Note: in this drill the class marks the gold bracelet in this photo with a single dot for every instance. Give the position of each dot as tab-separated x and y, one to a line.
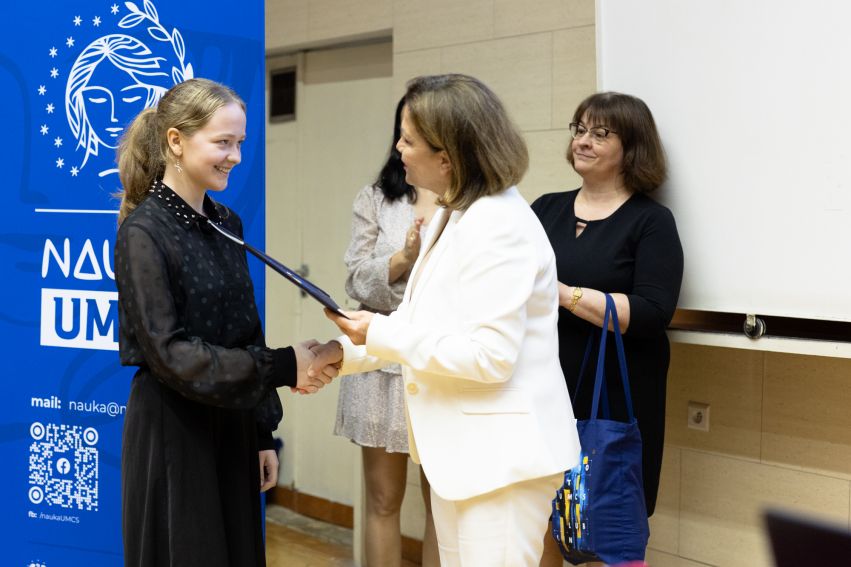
577	294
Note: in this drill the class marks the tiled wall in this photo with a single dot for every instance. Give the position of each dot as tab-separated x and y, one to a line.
538	55
295	24
780	435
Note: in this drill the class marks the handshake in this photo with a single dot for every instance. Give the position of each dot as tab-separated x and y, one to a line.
317	364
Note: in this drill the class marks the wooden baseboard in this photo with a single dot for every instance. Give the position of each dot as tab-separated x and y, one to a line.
333	513
314	507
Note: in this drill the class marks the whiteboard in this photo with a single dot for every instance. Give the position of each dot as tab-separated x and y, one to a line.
753	103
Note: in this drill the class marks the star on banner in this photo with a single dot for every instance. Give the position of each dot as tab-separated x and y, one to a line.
49	108
57	141
77	20
114	9
41	90
69	42
74	171
60	162
96	21
53	52
54	73
44	129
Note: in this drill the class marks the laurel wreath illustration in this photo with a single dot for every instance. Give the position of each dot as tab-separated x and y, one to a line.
159	33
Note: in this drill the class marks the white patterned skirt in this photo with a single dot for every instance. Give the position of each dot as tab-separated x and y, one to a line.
371	410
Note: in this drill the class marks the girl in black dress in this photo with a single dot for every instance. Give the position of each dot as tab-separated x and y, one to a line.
610	237
197	445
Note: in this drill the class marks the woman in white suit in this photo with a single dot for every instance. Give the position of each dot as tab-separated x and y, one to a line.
488	409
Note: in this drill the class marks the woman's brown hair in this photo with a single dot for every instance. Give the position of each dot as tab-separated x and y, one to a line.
143	150
462	116
644	165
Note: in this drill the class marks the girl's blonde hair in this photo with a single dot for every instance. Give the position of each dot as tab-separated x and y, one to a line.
143	151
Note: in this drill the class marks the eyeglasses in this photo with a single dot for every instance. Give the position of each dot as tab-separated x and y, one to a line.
598	133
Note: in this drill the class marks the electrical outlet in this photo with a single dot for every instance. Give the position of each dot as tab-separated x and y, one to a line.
698	416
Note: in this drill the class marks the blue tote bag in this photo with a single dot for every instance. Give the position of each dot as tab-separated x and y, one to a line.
599	512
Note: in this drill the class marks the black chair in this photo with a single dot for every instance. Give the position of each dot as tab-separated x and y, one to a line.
800	541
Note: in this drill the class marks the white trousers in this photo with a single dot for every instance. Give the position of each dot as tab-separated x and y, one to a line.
503	528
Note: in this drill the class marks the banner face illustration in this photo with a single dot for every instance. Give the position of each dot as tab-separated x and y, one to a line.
73	74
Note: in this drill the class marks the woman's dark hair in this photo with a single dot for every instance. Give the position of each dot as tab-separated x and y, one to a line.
644	165
391	179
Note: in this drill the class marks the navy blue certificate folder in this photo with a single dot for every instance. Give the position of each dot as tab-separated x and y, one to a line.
303	283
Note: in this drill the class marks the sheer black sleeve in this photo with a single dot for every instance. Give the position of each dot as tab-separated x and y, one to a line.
208	373
269	412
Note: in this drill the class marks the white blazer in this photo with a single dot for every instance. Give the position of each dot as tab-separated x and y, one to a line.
478	343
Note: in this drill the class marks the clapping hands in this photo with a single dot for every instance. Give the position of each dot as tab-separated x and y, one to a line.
412	241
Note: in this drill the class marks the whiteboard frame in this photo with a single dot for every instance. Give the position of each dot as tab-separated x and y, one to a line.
809	347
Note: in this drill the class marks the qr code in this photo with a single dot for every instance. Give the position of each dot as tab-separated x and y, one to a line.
64	466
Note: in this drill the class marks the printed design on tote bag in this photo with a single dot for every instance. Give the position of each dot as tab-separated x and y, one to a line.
572	502
103	80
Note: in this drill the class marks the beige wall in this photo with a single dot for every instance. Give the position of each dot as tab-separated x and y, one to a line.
538	55
315	165
780	428
780	435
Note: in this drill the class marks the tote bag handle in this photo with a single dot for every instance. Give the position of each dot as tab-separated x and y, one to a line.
600	376
604	398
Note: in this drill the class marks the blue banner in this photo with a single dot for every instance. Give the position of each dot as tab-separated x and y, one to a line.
73	75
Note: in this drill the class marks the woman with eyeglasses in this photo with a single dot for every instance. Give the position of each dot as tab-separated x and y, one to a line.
609	236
